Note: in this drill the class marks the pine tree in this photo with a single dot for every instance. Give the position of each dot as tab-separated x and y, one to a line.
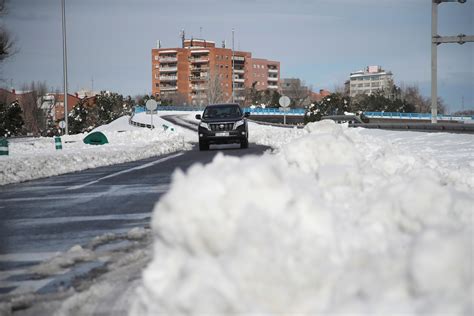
78	118
109	107
11	119
334	104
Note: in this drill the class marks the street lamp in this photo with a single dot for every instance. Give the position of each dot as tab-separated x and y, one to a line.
63	9
233	57
435	41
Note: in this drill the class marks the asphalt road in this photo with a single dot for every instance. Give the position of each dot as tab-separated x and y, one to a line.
45	216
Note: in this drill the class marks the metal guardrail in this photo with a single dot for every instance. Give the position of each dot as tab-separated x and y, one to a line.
256	111
420	127
416	116
276	111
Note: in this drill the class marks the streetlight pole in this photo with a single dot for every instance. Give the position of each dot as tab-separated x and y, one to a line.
434	63
435	41
233	83
63	8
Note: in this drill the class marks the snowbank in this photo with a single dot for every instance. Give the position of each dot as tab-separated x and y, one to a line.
36	158
335	222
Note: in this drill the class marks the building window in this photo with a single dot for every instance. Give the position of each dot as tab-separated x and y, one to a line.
156	57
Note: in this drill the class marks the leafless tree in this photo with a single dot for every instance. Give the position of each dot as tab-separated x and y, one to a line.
215	94
411	94
6	40
31	100
179	98
298	92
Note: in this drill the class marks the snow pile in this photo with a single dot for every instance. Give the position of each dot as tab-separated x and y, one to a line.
38	158
336	222
62	261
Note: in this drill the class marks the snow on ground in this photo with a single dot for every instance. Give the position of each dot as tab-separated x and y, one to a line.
336	221
36	158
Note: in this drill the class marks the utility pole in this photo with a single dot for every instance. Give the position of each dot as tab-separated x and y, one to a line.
435	41
63	7
233	82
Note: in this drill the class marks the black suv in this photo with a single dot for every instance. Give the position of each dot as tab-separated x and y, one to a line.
223	124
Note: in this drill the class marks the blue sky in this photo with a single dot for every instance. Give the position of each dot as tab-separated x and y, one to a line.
319	41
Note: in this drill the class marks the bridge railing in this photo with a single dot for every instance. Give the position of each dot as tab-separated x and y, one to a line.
276	111
417	116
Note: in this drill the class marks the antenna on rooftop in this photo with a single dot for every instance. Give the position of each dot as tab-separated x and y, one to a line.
182	35
200	32
158	44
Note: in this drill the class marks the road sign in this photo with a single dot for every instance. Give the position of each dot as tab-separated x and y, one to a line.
62	124
151	105
284	101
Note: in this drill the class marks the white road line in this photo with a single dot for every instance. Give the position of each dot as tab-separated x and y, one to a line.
125	171
122	189
72	219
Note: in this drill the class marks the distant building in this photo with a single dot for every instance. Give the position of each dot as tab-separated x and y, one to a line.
58	113
193	73
317	97
295	89
368	81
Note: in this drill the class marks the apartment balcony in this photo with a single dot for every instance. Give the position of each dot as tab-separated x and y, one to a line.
199	96
242	80
273	71
169	88
238	58
199	87
200	51
202	68
272	78
239	88
168	60
199	60
198	78
270	86
239	71
242	98
168	78
168	69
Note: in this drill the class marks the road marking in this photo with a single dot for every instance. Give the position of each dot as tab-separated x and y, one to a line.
125	171
117	190
72	219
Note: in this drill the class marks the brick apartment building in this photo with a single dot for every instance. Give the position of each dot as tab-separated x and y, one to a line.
195	72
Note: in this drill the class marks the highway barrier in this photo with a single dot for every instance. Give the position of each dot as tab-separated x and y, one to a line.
57	143
3	147
300	111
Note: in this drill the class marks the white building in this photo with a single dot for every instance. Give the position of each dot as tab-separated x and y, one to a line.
370	80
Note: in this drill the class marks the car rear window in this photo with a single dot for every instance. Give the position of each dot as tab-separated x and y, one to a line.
213	112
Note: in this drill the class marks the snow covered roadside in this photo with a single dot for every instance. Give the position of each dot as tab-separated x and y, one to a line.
337	221
37	158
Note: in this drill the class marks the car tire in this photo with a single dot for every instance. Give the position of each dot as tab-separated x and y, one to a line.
203	146
244	144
